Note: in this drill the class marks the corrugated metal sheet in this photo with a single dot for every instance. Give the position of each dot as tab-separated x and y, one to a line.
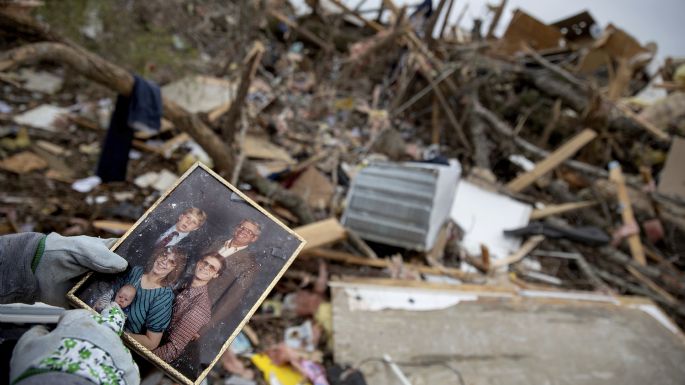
401	204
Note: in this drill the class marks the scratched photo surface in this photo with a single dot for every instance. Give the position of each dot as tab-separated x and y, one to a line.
198	263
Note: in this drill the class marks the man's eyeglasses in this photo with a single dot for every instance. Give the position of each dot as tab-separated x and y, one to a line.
206	265
247	229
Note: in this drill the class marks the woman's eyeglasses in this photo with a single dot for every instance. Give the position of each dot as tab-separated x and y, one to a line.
168	258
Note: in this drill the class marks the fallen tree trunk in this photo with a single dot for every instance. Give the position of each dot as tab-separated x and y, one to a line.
121	81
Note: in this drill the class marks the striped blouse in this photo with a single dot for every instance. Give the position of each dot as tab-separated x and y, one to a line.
151	308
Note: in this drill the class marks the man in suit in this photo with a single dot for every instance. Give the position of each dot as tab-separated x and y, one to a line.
226	293
156	233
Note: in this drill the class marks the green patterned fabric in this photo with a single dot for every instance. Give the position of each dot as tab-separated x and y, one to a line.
81	357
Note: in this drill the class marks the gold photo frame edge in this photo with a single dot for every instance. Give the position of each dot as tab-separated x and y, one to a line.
135	345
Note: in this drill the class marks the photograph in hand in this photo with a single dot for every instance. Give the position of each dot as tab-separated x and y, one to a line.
201	260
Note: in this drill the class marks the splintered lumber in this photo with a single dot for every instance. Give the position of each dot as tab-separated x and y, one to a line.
114	227
651	128
495	19
321	233
560	209
557	157
502	128
432	20
359	243
616	176
653	286
521	253
250	64
446	19
369	23
305	33
342	257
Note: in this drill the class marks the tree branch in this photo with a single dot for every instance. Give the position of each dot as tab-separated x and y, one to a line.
121	81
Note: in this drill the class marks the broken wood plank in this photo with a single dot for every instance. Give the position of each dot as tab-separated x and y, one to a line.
305	33
321	233
651	128
504	129
438	250
616	176
557	157
521	253
369	23
495	19
342	257
433	20
250	64
172	144
360	244
435	122
52	148
114	227
446	20
23	163
560	209
653	286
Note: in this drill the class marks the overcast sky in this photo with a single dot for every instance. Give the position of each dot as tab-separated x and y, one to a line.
647	20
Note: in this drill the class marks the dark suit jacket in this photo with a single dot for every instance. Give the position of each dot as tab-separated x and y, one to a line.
138	247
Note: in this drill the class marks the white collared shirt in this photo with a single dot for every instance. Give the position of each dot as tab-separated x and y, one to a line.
226	251
175	239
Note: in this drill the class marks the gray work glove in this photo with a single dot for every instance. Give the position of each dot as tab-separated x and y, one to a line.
83	344
66	258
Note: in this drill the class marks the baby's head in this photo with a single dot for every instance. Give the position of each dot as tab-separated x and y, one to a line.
125	296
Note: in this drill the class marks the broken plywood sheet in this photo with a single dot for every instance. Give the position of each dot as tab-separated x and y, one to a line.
524	28
672	179
502	338
484	215
321	233
614	45
46	117
23	162
314	187
200	93
619	44
261	148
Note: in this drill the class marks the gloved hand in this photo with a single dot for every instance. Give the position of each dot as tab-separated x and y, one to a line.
83	344
66	258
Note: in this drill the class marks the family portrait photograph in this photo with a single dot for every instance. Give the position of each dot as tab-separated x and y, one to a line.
201	260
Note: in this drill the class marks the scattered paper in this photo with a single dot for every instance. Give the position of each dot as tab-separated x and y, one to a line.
165	180
40	81
261	148
200	93
86	184
484	215
45	117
